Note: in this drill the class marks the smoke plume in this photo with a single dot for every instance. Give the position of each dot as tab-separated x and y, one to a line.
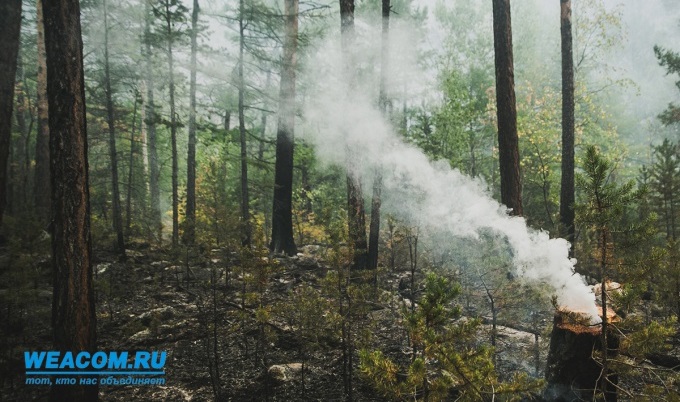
348	129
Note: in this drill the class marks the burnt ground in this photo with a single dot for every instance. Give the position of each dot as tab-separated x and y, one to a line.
151	303
217	349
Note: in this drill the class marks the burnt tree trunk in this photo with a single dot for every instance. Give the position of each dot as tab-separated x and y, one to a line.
355	198
41	178
10	29
567	214
506	108
190	227
282	216
73	306
110	118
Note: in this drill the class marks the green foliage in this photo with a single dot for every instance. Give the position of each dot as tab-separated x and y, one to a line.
619	241
645	338
171	25
462	131
602	209
665	279
603	201
664	183
671	62
215	217
597	29
446	360
538	126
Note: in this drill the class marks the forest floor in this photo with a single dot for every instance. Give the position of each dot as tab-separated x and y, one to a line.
195	311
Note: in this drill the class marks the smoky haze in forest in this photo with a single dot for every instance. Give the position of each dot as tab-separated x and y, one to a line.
348	129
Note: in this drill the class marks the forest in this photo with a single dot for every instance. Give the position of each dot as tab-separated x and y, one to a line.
353	200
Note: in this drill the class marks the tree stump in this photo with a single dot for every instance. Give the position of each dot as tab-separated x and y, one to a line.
572	372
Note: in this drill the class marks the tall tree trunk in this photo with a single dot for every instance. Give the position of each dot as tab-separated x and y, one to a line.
73	306
246	232
282	216
115	191
264	200
150	121
506	108
567	184
10	30
355	200
263	121
173	127
131	170
41	178
20	179
374	227
143	142
190	227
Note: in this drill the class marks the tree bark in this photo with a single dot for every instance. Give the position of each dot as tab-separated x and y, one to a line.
110	118
190	227
41	180
150	121
567	214
572	373
10	29
355	200
23	160
173	126
376	202
131	170
73	306
506	108
282	216
246	232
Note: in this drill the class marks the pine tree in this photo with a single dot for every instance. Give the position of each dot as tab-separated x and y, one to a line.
10	29
601	209
246	230
356	218
190	227
447	362
113	157
150	123
376	202
73	305
671	61
506	108
41	181
567	181
665	187
282	220
171	13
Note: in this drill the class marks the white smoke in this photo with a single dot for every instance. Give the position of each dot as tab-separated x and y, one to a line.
349	130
